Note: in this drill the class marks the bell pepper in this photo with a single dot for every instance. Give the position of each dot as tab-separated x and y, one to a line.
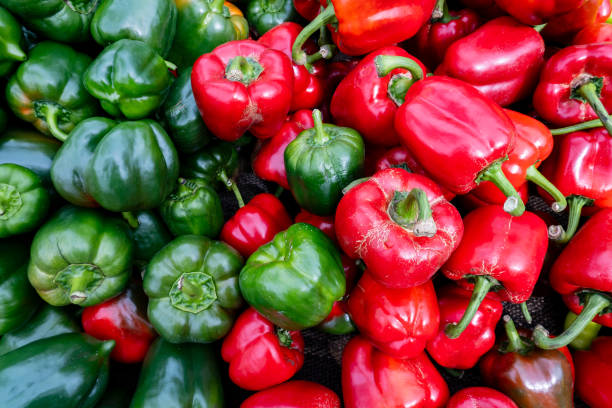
115	20
536	12
470	201
264	15
324	223
532	377
149	234
564	26
179	375
399	322
593	371
46	90
368	103
338	321
124	320
321	162
294	394
475	397
202	26
129	78
243	85
23	200
308	9
595	33
400	225
193	207
374	379
582	276
255	224
294	280
192	284
484	261
259	354
478	337
586	336
80	256
11	38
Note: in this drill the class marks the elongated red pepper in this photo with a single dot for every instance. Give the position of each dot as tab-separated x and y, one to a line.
324	223
534	12
595	33
593	373
339	321
259	354
563	27
498	252
400	225
477	397
294	394
243	85
374	379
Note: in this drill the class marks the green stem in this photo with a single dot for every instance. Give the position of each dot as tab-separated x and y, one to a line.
513	205
231	186
526	313
217	6
412	211
538	178
398	84
515	343
586	336
591	124
320	137
284	337
575	203
589	92
131	219
440	13
190	289
482	285
540	27
170	65
327	16
51	119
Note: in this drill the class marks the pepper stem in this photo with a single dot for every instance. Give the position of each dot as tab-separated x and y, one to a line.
525	311
440	13
131	219
513	205
557	233
515	343
284	337
482	286
412	211
400	83
590	92
189	288
591	124
540	27
538	178
243	69
231	186
586	337
217	5
51	114
321	137
595	304
170	65
327	16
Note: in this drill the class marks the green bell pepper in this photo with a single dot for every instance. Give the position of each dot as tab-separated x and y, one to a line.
179	376
338	325
68	370
149	234
193	208
11	38
129	78
320	162
192	284
295	279
47	90
202	26
18	301
80	256
264	15
149	21
182	116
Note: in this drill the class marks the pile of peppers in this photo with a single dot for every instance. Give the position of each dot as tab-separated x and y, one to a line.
191	189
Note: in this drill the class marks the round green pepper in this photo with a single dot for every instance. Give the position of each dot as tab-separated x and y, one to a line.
264	15
217	164
10	42
192	284
149	234
80	256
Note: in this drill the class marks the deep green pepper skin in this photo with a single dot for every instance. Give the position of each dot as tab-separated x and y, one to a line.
179	376
149	234
338	326
18	301
68	370
295	279
11	38
192	284
155	23
58	20
47	90
182	117
80	256
214	163
129	78
264	15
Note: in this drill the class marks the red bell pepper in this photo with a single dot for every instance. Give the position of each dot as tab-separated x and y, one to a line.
596	33
294	394
563	27
123	319
307	8
338	321
471	202
593	373
399	322
259	354
255	224
400	225
486	8
477	397
243	85
269	161
534	12
478	337
374	379
502	59
324	223
498	252
583	270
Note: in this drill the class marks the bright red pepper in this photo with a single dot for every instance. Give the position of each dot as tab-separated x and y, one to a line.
123	319
259	354
308	9
534	12
477	397
294	394
563	27
338	321
324	223
471	202
478	337
400	225
374	379
593	373
243	85
596	33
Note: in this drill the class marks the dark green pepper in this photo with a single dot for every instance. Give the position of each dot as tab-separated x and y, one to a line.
295	279
179	376
68	370
47	90
338	325
149	234
264	15
192	284
321	162
129	78
80	256
10	42
149	21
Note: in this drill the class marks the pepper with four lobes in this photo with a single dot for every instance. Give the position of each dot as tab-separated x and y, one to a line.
11	39
264	15
593	371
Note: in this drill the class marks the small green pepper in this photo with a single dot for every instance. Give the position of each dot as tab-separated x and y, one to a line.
149	234
264	15
11	38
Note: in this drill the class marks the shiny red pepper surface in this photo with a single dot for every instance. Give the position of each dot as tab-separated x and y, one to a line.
534	12
595	33
324	223
563	27
338	321
294	394
480	397
593	373
307	8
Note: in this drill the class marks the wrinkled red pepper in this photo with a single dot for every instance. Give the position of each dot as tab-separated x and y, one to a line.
593	373
595	33
294	394
477	397
338	321
563	27
324	223
534	12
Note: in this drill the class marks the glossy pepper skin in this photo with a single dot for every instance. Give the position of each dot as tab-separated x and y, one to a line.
149	234
563	27
11	38
374	379
179	375
325	224
46	90
156	23
216	163
593	369
272	283
595	33
259	354
243	85
80	256
294	394
475	397
400	225
192	285
534	12
264	15
338	321
307	8
502	59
